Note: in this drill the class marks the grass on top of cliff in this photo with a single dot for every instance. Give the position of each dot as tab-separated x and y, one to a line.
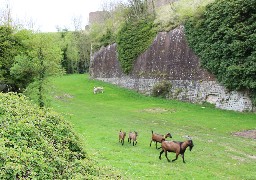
98	118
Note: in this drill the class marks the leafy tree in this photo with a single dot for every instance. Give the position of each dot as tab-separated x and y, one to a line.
225	40
84	47
71	53
22	70
9	47
40	59
76	51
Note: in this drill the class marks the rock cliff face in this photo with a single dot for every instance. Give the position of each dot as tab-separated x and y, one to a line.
168	58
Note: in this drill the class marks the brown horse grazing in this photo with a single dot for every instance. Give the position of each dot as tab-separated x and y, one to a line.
176	147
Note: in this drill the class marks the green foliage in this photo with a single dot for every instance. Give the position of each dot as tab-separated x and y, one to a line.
19	61
40	58
95	33
138	9
171	15
19	57
76	51
83	45
134	37
9	46
107	38
38	144
32	91
161	89
102	34
70	52
225	40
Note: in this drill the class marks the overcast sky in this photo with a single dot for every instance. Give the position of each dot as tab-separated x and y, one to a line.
47	15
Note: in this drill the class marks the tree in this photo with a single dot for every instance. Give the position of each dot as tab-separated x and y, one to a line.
84	47
75	46
40	59
9	47
71	52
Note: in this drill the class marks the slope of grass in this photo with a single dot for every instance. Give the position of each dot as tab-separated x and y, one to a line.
97	118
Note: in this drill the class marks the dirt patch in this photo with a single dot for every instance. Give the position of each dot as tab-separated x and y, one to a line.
158	110
63	97
247	134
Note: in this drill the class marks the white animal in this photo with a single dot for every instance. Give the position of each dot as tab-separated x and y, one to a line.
98	90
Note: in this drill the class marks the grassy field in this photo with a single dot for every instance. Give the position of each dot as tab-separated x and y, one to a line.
97	119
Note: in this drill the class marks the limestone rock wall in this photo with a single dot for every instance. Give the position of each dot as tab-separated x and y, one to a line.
168	58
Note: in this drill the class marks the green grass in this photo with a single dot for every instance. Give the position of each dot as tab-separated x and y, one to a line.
98	118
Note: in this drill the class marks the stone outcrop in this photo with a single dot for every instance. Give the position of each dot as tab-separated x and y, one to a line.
169	58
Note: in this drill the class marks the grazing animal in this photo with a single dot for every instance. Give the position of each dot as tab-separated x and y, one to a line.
159	138
98	90
122	136
133	137
176	147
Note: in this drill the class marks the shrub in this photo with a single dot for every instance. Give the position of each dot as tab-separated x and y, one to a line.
38	144
107	38
224	38
134	37
161	89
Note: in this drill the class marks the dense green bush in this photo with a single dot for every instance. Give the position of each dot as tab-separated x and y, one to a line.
107	38
161	89
134	37
38	144
224	38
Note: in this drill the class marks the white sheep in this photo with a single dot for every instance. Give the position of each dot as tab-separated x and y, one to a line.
98	90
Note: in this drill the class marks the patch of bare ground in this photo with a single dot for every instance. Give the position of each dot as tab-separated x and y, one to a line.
247	134
158	110
241	156
63	97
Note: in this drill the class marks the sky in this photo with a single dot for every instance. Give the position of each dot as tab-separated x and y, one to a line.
47	15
